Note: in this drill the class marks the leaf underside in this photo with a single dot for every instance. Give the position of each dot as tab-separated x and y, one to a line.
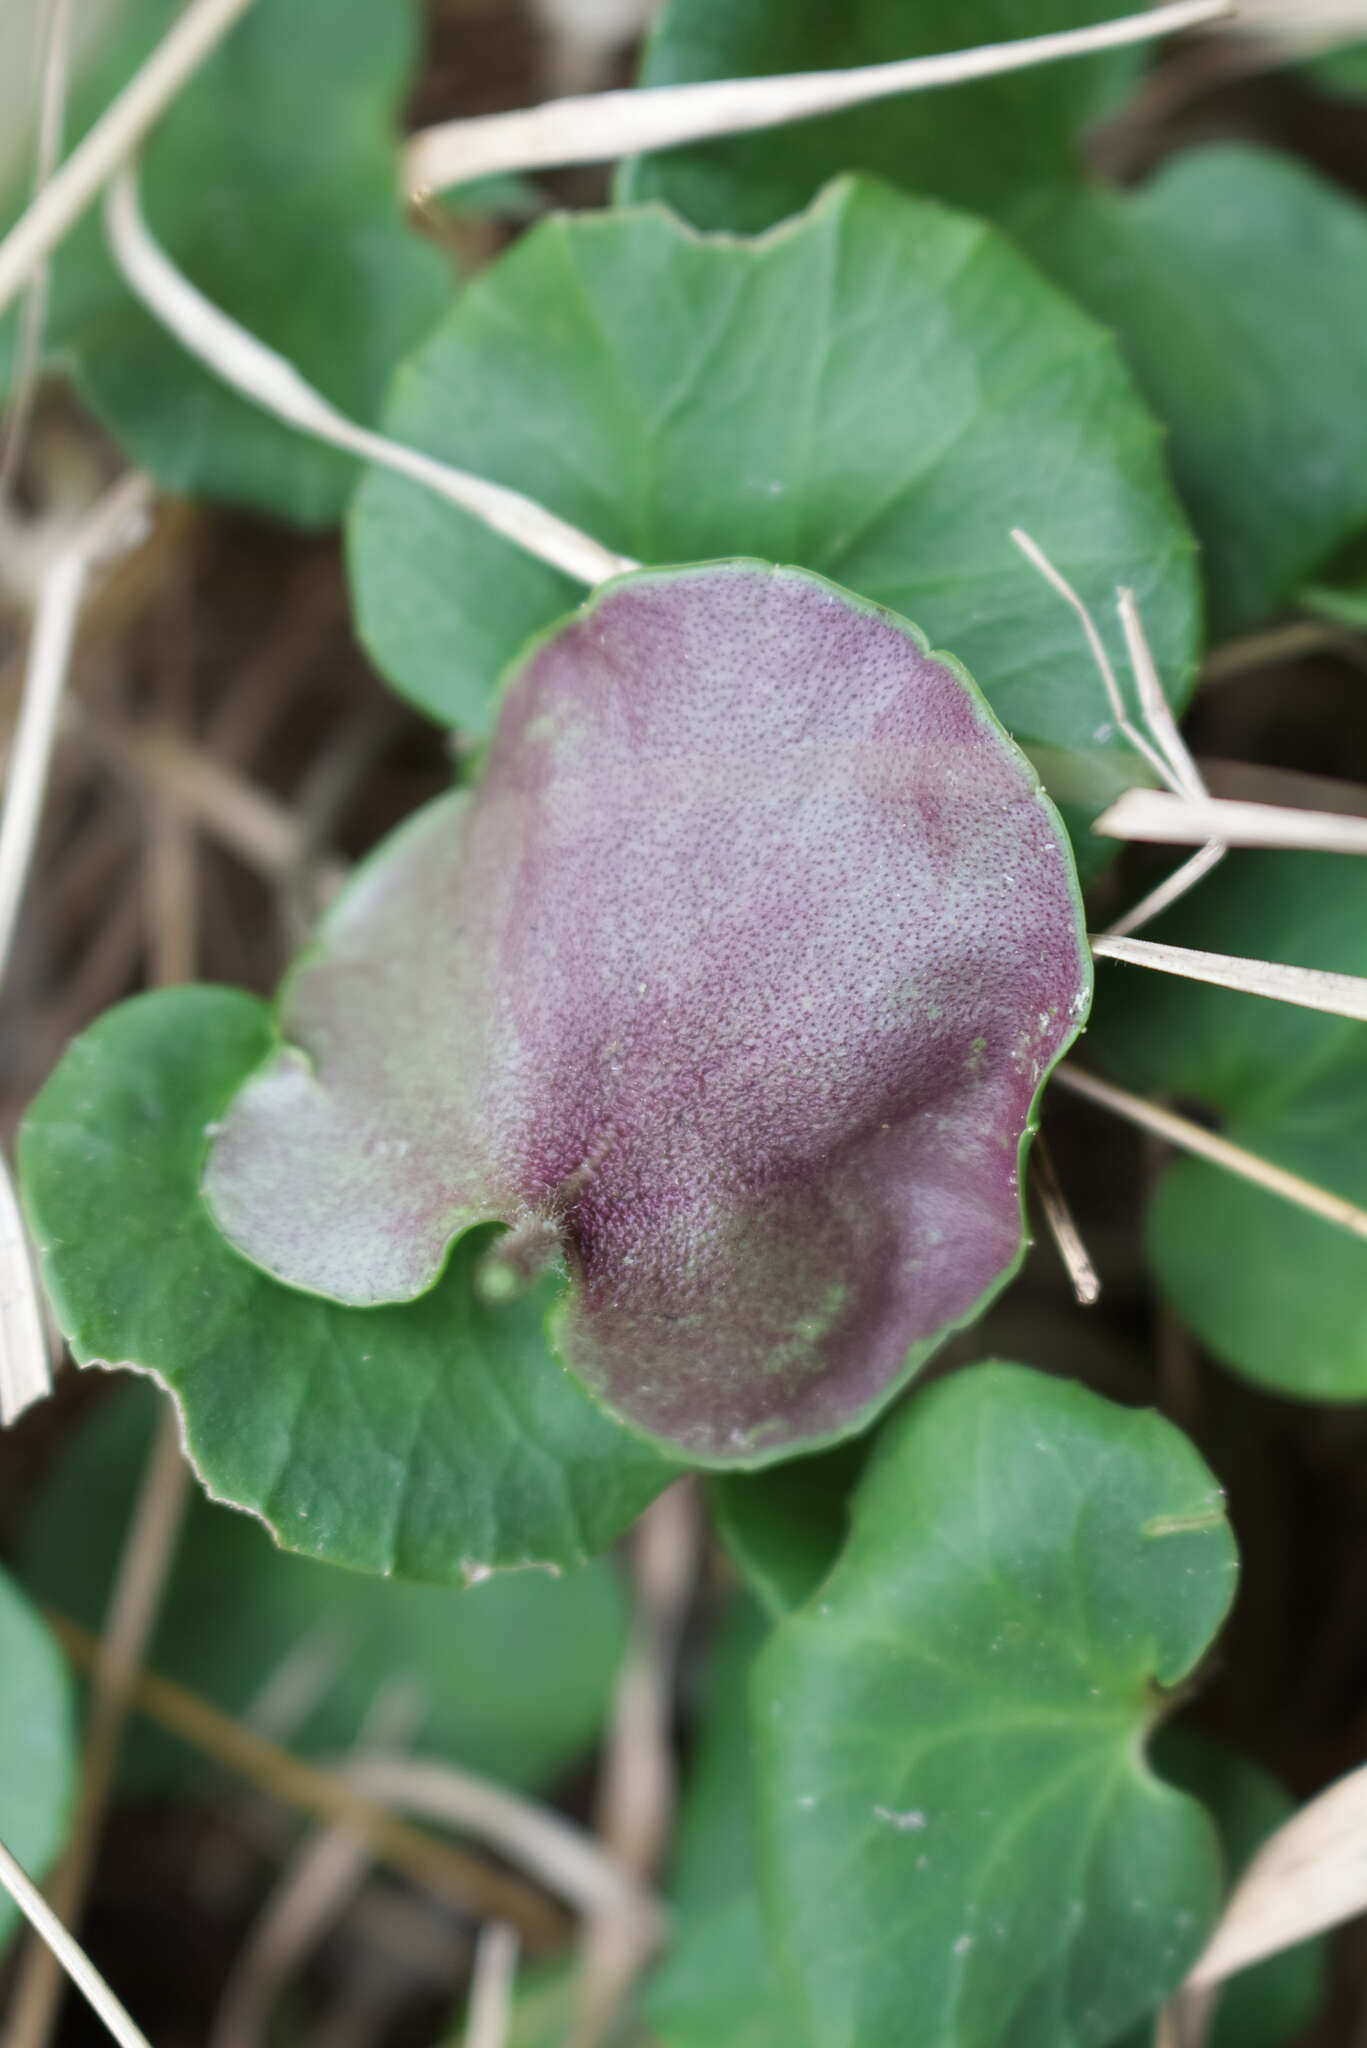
735	981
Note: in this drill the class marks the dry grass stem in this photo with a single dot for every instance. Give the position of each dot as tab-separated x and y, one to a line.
1082	1274
133	1606
1309	988
118	131
1152	700
25	1368
1309	1876
490	2010
68	1953
1195	1138
54	44
1298	27
1168	892
276	386
1275	644
1171	745
118	514
1124	723
247	821
1185	2022
322	1880
446	1871
320	1883
1154	815
1164	748
604	126
564	1858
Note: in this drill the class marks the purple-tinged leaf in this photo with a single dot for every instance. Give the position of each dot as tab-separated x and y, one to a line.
734	982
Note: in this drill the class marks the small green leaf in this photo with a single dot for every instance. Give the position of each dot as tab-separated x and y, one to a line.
1269	2005
273	182
1269	429
878	392
733	984
978	146
37	1744
956	1819
428	1440
784	1527
512	1678
1276	1293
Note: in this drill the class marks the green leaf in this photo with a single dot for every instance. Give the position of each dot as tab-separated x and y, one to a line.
1268	2005
1273	1291
512	1678
428	1440
977	146
956	1819
1342	73
1269	428
733	985
784	1527
716	1983
877	392
37	1744
1339	592
273	183
1269	433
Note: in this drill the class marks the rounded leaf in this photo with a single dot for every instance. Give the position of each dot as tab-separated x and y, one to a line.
431	1441
879	391
956	1819
735	980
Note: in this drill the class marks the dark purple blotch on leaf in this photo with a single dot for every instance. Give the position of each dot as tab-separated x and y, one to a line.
734	981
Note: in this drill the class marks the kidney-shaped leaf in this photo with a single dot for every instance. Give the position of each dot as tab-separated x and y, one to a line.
735	981
1275	1292
878	391
979	146
273	181
425	1440
956	1819
37	1743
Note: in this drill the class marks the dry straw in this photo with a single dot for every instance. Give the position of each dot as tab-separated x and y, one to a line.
602	126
